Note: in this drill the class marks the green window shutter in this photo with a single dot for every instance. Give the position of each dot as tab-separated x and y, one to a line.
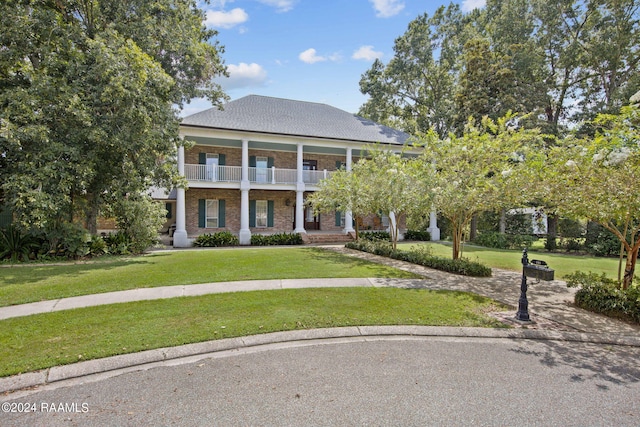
169	210
252	161
338	218
270	212
269	162
222	159
202	158
202	212
221	213
252	213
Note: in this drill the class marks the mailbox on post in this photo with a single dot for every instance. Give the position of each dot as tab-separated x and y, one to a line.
538	270
535	269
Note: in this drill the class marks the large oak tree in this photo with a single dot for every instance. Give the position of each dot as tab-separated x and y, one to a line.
90	92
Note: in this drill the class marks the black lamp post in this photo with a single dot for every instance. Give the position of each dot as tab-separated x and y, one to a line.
523	305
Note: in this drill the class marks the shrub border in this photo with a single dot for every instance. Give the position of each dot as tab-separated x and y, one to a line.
462	267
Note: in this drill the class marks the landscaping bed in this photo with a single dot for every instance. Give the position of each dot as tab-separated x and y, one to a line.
422	256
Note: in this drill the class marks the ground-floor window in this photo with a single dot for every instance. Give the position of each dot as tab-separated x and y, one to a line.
261	213
212	214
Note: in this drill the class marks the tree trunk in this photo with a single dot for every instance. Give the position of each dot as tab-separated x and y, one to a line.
630	268
503	221
552	232
91	215
457	239
473	233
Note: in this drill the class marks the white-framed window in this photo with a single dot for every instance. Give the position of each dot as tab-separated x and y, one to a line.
384	219
262	212
211	214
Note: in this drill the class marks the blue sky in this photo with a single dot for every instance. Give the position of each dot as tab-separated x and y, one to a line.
309	50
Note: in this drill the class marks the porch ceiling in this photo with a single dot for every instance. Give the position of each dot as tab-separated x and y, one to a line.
271	146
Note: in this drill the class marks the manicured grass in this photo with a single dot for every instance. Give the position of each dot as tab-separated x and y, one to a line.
19	285
40	341
512	259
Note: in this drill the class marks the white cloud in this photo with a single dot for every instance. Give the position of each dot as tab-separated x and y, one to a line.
243	75
366	53
230	19
310	56
280	5
469	5
387	8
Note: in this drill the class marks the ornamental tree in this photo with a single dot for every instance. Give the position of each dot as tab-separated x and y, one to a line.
599	179
394	189
384	182
482	170
343	191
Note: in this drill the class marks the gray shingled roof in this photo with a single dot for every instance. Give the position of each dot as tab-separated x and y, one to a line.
256	113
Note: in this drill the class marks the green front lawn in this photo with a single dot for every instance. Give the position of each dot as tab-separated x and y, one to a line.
512	259
40	341
28	283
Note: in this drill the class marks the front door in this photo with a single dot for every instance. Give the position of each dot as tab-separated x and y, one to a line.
212	167
311	222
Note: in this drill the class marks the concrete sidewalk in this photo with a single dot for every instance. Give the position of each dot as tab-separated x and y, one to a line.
163	292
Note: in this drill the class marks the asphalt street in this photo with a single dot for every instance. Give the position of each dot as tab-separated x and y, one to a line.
377	381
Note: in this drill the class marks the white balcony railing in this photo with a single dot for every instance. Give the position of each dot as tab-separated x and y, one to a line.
206	173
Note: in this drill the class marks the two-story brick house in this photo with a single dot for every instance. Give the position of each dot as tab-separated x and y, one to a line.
255	161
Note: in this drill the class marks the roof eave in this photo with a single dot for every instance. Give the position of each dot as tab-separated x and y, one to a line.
290	134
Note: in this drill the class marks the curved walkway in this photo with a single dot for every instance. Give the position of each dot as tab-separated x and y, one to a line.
549	304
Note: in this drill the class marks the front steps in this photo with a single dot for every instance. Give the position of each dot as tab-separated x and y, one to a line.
326	238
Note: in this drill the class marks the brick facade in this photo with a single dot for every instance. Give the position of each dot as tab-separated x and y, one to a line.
283	200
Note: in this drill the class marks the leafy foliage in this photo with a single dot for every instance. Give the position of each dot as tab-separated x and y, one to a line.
529	56
221	238
417	235
118	243
16	245
600	241
276	239
457	266
375	235
596	179
603	295
87	94
140	218
482	170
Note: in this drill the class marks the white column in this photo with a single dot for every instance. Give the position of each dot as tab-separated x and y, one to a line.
433	229
245	186
180	238
348	217
300	187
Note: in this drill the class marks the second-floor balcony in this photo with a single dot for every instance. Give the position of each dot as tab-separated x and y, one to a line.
273	175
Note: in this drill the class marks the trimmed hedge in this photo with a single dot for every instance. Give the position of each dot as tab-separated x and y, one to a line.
600	294
374	235
424	236
457	266
215	240
276	239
